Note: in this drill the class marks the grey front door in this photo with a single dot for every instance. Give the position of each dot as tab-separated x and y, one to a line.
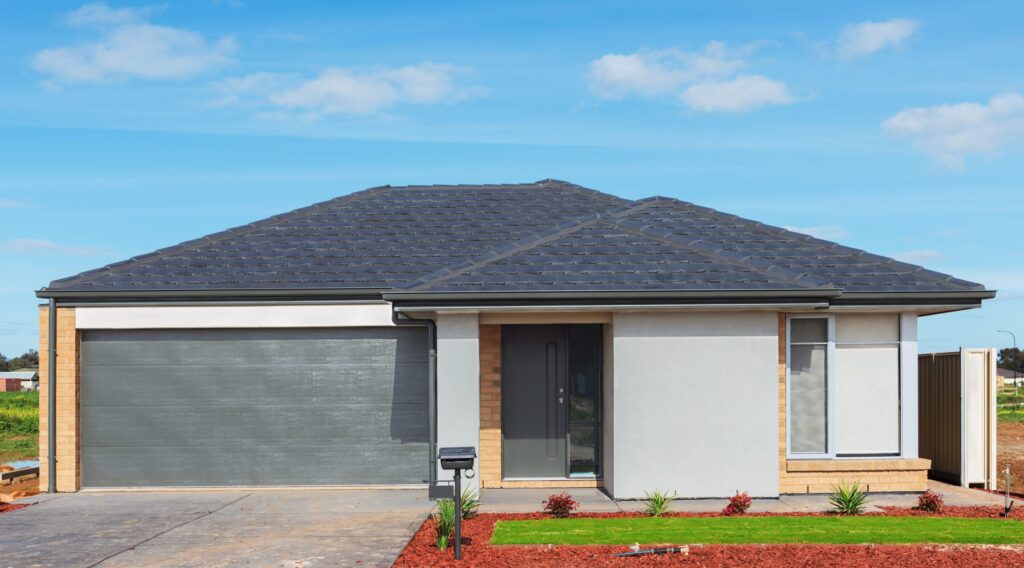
221	407
534	373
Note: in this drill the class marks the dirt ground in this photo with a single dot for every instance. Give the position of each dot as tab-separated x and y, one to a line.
22	487
1010	450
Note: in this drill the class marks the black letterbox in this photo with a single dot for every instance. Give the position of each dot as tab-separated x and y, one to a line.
457	458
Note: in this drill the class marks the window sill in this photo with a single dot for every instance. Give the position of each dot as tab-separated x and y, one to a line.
846	464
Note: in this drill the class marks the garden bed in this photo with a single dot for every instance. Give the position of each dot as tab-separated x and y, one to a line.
479	551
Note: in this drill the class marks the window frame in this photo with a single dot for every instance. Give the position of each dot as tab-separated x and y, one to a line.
830	387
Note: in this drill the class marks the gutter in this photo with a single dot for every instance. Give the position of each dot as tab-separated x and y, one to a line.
434	491
276	293
51	398
611	295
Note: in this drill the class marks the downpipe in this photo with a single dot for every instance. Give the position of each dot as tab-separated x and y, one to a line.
51	398
431	325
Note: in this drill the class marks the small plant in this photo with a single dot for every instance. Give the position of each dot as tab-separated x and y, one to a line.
561	505
444	516
929	501
848	499
470	503
738	504
658	502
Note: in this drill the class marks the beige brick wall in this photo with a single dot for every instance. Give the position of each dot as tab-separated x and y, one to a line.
490	406
820	476
69	431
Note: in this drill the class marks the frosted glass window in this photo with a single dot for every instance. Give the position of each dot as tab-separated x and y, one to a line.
867	384
808	398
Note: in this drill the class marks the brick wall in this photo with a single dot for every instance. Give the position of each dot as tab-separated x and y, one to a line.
490	406
69	458
820	476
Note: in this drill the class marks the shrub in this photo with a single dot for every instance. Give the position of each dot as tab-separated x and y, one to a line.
929	501
470	503
658	502
561	505
738	504
848	499
444	516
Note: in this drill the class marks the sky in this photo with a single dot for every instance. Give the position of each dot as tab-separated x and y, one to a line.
895	127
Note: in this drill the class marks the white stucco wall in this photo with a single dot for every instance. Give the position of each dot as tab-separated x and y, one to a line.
696	404
193	317
458	385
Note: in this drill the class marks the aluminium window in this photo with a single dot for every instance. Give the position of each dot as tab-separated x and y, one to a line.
843	386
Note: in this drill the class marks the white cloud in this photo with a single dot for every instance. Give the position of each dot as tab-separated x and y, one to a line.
865	38
951	133
827	232
11	203
918	256
43	246
746	92
706	80
129	48
99	14
347	91
651	73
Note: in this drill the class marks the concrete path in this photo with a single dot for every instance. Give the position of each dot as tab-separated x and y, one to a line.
596	501
213	528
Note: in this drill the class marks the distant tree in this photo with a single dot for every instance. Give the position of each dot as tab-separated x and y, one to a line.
1012	359
27	360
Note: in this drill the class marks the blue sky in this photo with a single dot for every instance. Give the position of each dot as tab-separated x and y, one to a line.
893	127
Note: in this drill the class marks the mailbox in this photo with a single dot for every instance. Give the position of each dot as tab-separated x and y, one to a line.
457	458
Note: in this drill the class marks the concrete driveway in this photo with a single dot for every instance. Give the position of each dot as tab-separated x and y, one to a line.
306	528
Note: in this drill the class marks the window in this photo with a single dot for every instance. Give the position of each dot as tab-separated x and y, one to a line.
843	389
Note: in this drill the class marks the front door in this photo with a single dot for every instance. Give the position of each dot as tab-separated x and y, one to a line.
534	376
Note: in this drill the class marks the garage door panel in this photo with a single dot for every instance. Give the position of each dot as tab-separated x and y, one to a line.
142	426
250	384
225	346
260	465
254	407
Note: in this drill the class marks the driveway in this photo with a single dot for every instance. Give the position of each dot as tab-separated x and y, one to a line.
303	528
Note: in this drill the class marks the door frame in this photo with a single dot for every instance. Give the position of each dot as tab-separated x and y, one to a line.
598	423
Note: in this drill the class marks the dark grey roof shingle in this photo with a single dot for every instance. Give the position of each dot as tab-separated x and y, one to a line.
542	236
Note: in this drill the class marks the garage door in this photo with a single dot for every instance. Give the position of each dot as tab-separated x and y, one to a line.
254	407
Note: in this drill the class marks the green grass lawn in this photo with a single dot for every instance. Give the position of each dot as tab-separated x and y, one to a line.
19	425
761	530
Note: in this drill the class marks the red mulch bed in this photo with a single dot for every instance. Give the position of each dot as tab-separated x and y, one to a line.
7	507
478	552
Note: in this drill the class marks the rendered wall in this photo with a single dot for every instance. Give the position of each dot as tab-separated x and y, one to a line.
458	385
694	408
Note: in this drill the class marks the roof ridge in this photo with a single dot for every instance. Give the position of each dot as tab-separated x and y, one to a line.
526	243
505	251
801	237
583	190
773	272
719	253
94	273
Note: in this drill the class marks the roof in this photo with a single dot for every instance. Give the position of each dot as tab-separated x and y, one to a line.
20	375
542	237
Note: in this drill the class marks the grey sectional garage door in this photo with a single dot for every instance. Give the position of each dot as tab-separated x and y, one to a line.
254	407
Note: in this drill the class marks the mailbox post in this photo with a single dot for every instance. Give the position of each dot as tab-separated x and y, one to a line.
456	460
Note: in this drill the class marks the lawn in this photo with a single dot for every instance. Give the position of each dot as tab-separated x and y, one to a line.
761	530
19	425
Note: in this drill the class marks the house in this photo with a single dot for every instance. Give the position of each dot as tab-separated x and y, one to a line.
1007	377
22	379
575	338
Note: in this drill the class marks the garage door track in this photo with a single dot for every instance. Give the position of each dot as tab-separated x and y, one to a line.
308	528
